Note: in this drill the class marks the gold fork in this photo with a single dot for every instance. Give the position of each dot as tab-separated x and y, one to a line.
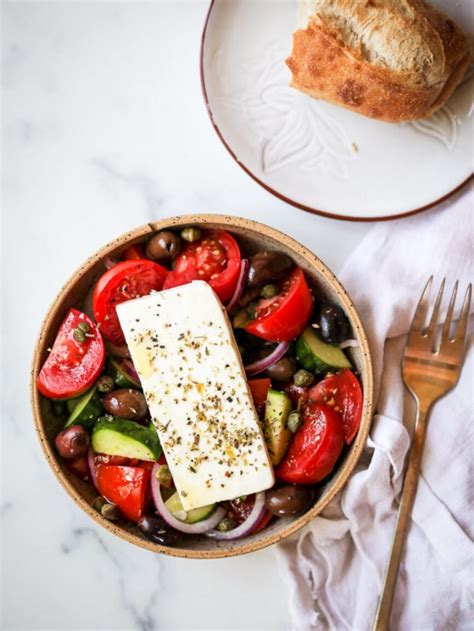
431	368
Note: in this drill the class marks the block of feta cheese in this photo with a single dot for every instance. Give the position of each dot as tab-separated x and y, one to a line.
184	351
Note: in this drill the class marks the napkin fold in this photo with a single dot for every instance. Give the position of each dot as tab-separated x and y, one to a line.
335	566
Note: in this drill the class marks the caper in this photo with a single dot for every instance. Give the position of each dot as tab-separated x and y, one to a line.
79	335
269	291
241	319
303	378
110	512
163	246
226	524
72	442
252	310
163	475
105	384
294	421
98	503
191	234
84	327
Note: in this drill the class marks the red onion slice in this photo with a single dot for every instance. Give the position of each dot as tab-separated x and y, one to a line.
109	262
128	366
269	360
121	351
198	528
91	465
349	344
247	526
239	288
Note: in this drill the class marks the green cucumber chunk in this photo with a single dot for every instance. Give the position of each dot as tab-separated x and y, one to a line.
173	504
277	435
318	356
120	375
121	437
85	410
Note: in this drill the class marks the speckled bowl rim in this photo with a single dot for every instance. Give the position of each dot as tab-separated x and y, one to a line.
319	267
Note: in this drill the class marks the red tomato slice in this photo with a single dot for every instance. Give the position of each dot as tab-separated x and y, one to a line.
124	281
343	392
315	448
124	486
72	366
285	316
133	253
215	258
259	389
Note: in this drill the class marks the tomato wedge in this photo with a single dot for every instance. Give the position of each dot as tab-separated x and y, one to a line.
315	448
343	392
124	281
285	316
259	389
124	486
215	258
72	366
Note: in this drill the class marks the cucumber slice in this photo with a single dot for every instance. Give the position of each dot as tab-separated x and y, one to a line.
173	504
120	375
318	356
85	410
277	436
120	437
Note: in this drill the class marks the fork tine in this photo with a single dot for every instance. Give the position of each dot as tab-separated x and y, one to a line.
421	309
460	333
434	317
449	314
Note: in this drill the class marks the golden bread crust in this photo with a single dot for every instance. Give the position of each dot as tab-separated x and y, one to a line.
325	67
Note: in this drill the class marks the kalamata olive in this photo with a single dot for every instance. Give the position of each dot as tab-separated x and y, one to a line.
289	500
157	530
72	442
126	403
333	323
163	246
283	370
267	266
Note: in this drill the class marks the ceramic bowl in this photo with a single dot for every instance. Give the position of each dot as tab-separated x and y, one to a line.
251	236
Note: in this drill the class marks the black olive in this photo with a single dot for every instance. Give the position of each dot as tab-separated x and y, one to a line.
333	323
126	403
157	530
267	266
72	442
283	370
290	500
163	246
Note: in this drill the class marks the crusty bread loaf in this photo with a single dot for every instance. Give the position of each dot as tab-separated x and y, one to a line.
394	60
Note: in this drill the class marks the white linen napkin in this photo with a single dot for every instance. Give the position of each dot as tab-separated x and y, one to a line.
335	566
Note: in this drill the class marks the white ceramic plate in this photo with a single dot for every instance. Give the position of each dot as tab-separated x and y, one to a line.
312	154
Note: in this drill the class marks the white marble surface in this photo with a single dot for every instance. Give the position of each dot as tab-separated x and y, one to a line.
104	128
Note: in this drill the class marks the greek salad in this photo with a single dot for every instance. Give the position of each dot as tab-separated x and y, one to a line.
203	391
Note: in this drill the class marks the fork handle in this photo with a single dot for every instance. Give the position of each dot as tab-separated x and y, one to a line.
410	484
